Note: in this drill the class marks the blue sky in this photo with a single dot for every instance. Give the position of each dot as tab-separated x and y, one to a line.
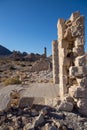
31	25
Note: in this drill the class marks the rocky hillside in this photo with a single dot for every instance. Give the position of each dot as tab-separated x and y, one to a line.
4	51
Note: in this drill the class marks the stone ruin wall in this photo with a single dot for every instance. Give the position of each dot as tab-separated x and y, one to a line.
55	61
68	53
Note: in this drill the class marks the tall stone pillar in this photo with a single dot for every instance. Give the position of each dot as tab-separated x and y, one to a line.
45	51
62	49
55	61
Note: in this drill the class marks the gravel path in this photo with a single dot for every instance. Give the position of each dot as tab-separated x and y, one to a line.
42	90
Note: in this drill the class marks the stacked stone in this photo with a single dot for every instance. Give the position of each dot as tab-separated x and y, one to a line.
55	61
72	60
64	49
79	71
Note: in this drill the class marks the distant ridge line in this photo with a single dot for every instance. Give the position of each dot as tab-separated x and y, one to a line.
4	51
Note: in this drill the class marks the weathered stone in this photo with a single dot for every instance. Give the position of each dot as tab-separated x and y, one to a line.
79	41
2	118
53	128
51	101
34	113
63	44
5	102
63	87
78	33
68	35
78	51
67	62
82	105
6	128
39	120
72	90
24	120
69	99
28	126
66	106
74	16
44	111
80	20
80	61
9	115
61	28
55	61
75	71
62	53
72	81
46	126
68	23
26	101
80	92
82	82
72	61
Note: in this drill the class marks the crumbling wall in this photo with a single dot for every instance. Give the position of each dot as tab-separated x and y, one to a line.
67	34
55	61
72	60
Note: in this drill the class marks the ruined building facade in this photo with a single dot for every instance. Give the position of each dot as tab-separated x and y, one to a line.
69	63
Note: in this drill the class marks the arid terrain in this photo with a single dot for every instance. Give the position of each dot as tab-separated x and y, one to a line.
33	117
29	99
25	71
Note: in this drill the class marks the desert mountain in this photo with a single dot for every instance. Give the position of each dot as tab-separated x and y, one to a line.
4	51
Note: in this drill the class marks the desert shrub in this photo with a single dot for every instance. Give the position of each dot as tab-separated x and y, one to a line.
12	81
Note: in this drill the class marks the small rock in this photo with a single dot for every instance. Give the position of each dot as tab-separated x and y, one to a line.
44	111
28	127
69	99
63	127
7	128
24	120
66	106
34	113
2	118
46	126
1	113
53	128
39	120
26	101
9	115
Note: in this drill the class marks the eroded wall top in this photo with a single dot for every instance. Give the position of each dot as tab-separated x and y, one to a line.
71	28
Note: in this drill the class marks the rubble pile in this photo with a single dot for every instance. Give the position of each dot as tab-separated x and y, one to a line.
40	118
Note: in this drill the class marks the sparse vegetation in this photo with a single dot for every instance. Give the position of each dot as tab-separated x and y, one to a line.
12	81
27	70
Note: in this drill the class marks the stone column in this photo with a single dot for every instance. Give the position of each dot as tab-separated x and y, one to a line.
45	51
64	63
62	49
55	61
